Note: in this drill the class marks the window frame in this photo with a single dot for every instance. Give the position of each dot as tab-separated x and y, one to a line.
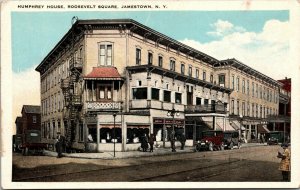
105	55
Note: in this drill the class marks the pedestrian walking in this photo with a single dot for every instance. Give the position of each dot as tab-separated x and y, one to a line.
151	142
59	145
284	166
144	142
182	141
172	139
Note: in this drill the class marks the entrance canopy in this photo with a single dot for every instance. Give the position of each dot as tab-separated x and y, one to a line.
103	73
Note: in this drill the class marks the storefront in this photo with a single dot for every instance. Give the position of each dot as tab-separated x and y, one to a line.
163	128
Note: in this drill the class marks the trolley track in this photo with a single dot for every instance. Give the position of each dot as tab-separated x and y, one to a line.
224	158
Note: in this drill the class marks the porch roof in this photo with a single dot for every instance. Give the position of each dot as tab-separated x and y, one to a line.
103	73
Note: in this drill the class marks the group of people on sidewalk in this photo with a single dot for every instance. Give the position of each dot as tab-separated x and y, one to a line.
145	141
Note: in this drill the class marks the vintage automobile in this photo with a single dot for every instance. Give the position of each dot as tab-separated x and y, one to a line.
276	137
31	143
210	140
231	139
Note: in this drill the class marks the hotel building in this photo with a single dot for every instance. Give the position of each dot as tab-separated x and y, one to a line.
108	82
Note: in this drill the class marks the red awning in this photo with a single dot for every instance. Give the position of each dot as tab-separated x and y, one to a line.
103	73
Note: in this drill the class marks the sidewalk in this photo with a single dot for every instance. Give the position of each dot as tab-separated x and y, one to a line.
133	154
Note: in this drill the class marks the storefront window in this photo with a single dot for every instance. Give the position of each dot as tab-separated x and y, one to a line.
134	134
139	93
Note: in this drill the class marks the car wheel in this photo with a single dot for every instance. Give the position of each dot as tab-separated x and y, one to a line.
210	146
222	146
231	145
239	145
196	148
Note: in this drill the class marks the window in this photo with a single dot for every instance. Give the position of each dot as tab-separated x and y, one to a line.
248	86
167	96
138	56
177	98
198	101
253	90
206	102
260	92
155	94
238	84
105	54
197	73
232	80
172	65
104	92
139	93
190	71
222	80
160	61
256	111
232	107
182	69
211	78
150	58
252	110
33	119
248	109
204	75
256	90
243	108
243	86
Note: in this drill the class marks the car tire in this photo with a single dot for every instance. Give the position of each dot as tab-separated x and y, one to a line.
239	145
231	146
222	146
210	146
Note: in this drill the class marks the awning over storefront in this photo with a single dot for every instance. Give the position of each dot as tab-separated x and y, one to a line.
110	126
262	129
138	125
103	73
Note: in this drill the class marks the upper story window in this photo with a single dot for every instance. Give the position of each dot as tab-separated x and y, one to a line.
243	86
211	78
237	84
138	58
248	86
253	90
190	71
204	75
222	80
105	54
256	90
160	61
197	73
182	68
232	80
139	93
150	58
104	92
34	119
172	64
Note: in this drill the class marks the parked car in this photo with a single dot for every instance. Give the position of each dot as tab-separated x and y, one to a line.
31	143
231	139
275	137
210	140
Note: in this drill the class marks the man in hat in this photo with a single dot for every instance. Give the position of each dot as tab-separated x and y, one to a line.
284	166
58	145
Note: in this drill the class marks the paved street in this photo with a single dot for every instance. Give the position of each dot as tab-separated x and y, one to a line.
256	163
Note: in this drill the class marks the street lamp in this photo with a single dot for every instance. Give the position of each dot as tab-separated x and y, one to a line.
114	114
172	113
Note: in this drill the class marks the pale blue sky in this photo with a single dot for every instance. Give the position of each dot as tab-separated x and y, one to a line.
34	34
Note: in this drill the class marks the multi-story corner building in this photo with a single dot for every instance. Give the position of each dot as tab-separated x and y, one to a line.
108	82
